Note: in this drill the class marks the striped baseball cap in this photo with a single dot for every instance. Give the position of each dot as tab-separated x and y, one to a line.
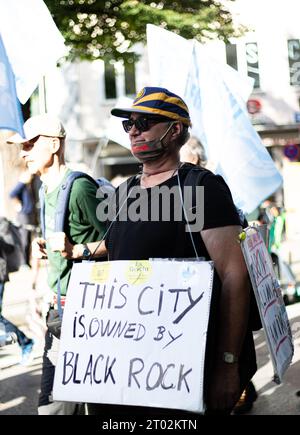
157	101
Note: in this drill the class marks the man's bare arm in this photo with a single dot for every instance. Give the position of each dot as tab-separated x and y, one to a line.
224	249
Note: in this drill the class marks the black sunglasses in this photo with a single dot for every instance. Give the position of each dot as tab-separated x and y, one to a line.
143	123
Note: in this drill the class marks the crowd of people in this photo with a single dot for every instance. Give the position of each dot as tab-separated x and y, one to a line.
158	124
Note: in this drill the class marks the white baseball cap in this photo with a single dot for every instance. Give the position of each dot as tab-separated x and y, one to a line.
40	125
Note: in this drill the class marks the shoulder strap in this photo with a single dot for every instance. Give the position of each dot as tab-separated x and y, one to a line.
64	196
62	201
42	209
195	175
105	187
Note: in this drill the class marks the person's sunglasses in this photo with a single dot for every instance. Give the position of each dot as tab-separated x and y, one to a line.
143	123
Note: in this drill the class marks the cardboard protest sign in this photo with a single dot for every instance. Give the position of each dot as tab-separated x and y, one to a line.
269	300
134	333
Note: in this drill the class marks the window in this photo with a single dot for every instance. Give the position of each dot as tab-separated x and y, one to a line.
294	61
110	80
119	79
252	62
34	105
231	55
130	87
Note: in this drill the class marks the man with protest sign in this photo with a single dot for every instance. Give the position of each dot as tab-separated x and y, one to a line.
148	224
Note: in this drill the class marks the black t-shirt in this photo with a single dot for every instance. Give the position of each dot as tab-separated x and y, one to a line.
135	237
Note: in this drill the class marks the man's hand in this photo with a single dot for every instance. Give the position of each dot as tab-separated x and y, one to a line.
38	248
59	242
224	390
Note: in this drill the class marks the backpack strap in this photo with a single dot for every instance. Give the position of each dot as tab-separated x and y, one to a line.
191	176
60	214
62	200
42	209
64	197
195	175
105	186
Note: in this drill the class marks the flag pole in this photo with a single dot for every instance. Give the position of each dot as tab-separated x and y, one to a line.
42	95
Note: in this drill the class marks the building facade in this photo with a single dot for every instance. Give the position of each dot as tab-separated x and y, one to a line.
83	93
270	53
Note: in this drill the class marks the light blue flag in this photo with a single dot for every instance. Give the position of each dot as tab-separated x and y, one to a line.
216	95
10	110
32	42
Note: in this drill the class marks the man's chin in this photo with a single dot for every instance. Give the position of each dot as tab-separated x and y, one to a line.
32	170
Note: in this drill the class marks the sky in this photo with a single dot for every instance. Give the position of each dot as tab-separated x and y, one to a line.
250	12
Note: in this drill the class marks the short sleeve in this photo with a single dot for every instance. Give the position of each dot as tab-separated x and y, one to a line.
219	208
84	202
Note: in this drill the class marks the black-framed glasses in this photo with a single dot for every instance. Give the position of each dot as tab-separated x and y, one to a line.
143	123
27	146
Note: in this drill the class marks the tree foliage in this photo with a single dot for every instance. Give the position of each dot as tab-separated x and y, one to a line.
96	29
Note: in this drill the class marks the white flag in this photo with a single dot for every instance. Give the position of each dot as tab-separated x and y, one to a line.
169	65
32	42
115	130
216	95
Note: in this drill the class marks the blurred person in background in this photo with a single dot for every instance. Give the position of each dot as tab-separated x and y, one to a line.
24	196
7	248
277	228
193	152
43	151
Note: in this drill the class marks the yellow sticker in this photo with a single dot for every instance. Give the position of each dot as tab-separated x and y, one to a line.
100	272
138	272
242	236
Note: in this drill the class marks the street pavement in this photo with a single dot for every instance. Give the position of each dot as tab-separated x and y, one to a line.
276	399
19	385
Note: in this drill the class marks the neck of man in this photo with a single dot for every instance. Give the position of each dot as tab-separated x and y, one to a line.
155	173
166	164
54	174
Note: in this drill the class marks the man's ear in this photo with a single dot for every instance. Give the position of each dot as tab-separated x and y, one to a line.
55	144
176	129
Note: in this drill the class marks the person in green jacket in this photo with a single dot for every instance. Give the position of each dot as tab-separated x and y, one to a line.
42	149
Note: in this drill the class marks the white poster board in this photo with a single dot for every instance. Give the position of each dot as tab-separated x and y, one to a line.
134	333
269	300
